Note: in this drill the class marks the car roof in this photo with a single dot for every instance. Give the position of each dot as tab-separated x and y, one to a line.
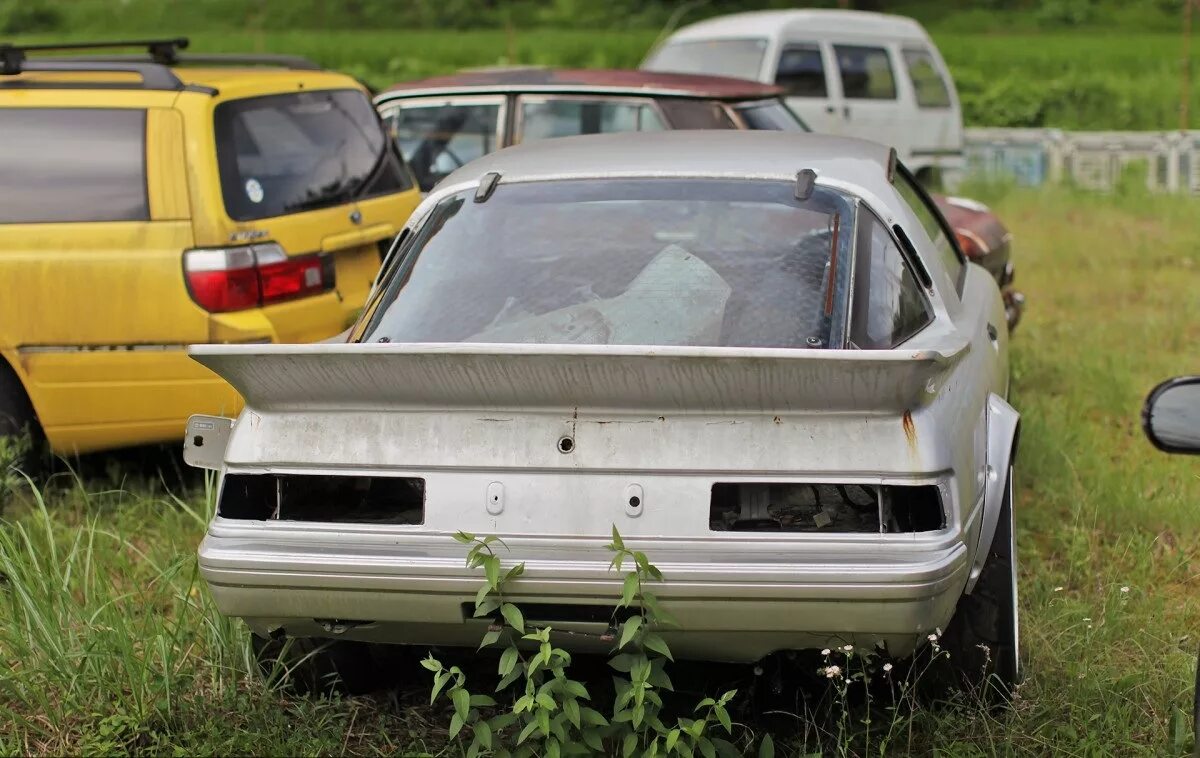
606	81
810	21
717	153
229	79
223	81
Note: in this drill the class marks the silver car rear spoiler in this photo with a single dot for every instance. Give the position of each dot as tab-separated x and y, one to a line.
620	378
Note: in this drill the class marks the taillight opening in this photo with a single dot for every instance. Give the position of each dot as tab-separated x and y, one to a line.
234	279
819	507
323	498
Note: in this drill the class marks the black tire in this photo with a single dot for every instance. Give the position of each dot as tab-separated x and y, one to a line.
1196	711
18	426
982	654
313	666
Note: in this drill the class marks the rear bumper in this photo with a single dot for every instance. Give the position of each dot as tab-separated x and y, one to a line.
737	600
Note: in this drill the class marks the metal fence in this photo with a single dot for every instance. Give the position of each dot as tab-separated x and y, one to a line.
1093	160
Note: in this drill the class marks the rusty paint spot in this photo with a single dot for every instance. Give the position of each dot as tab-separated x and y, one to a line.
910	430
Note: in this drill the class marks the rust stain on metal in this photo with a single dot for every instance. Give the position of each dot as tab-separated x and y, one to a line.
833	262
910	431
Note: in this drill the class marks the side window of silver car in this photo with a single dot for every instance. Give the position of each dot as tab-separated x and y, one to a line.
935	226
889	304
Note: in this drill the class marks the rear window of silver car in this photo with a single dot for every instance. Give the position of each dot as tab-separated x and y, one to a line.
703	262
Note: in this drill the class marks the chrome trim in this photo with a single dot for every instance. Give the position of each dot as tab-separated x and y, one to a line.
560	89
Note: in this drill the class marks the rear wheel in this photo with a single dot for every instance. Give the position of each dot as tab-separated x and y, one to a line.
21	438
983	638
312	666
1196	708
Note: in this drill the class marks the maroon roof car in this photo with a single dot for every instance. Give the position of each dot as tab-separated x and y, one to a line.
444	122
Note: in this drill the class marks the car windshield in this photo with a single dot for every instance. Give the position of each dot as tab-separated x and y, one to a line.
740	58
300	151
771	115
622	262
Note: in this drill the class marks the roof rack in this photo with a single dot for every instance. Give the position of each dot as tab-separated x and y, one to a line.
153	66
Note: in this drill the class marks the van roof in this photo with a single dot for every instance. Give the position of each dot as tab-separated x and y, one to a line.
773	23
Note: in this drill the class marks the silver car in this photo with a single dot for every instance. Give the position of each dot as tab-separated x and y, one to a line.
757	354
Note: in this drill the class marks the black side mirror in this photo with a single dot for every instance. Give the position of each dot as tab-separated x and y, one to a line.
1171	415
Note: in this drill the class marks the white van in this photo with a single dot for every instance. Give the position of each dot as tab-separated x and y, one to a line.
860	74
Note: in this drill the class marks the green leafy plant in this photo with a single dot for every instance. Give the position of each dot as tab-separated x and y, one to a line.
546	712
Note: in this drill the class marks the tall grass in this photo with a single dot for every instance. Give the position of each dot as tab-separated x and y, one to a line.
110	643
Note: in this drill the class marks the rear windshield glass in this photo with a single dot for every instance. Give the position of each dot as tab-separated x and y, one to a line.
771	115
72	164
741	58
695	114
628	262
300	151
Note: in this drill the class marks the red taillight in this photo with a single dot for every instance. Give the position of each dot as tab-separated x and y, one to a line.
970	244
237	278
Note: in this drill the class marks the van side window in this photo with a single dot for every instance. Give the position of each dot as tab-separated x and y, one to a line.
927	81
935	226
801	71
72	165
888	305
866	72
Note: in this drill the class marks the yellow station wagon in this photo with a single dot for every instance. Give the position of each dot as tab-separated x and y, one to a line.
153	201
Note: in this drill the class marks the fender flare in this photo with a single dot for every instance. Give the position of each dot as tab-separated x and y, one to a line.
1003	430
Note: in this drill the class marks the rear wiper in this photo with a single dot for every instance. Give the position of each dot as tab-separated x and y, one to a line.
380	160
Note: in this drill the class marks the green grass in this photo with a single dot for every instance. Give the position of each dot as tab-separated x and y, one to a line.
109	642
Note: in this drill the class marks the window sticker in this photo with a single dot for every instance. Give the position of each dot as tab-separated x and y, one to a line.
254	191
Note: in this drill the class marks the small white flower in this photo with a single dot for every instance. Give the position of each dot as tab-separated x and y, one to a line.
1087	618
825	652
1125	590
1089	626
848	648
833	672
887	667
932	638
938	631
1058	589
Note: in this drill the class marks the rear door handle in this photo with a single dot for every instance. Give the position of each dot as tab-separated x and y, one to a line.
846	112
